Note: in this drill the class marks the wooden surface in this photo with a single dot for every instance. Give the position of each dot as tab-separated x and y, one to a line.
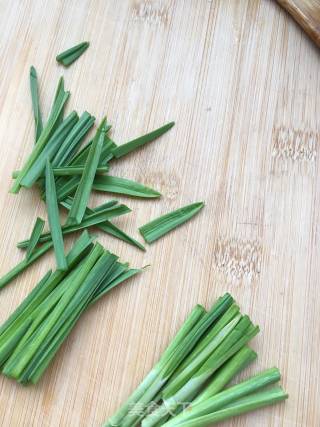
242	81
307	14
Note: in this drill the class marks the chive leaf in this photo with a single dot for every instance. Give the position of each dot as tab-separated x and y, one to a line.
160	226
35	236
67	57
130	146
82	195
54	219
114	184
35	102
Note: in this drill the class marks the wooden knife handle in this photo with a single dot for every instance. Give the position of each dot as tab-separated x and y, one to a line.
307	15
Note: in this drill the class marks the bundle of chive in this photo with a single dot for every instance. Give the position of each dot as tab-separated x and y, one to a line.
187	386
32	335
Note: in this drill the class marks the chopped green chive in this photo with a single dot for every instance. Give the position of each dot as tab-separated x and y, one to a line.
35	236
23	265
114	184
67	57
125	149
54	219
162	225
43	139
35	103
82	195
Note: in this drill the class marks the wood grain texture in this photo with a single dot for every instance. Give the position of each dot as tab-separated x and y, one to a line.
242	82
307	14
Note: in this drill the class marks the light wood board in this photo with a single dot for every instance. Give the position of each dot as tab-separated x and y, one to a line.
242	82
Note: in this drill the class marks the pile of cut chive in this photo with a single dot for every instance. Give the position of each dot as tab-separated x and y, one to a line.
66	172
189	386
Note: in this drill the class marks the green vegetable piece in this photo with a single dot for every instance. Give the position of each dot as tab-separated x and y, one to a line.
54	219
35	103
113	184
160	226
69	56
130	146
35	236
82	195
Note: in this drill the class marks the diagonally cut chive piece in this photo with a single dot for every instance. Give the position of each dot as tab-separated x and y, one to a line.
107	226
35	236
38	168
43	139
82	195
160	226
54	219
35	102
73	140
125	149
114	184
23	265
67	57
89	221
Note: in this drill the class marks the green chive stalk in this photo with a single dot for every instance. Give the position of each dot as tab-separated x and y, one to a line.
239	407
35	102
225	397
81	197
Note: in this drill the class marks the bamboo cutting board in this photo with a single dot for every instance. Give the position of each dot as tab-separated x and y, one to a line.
242	82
